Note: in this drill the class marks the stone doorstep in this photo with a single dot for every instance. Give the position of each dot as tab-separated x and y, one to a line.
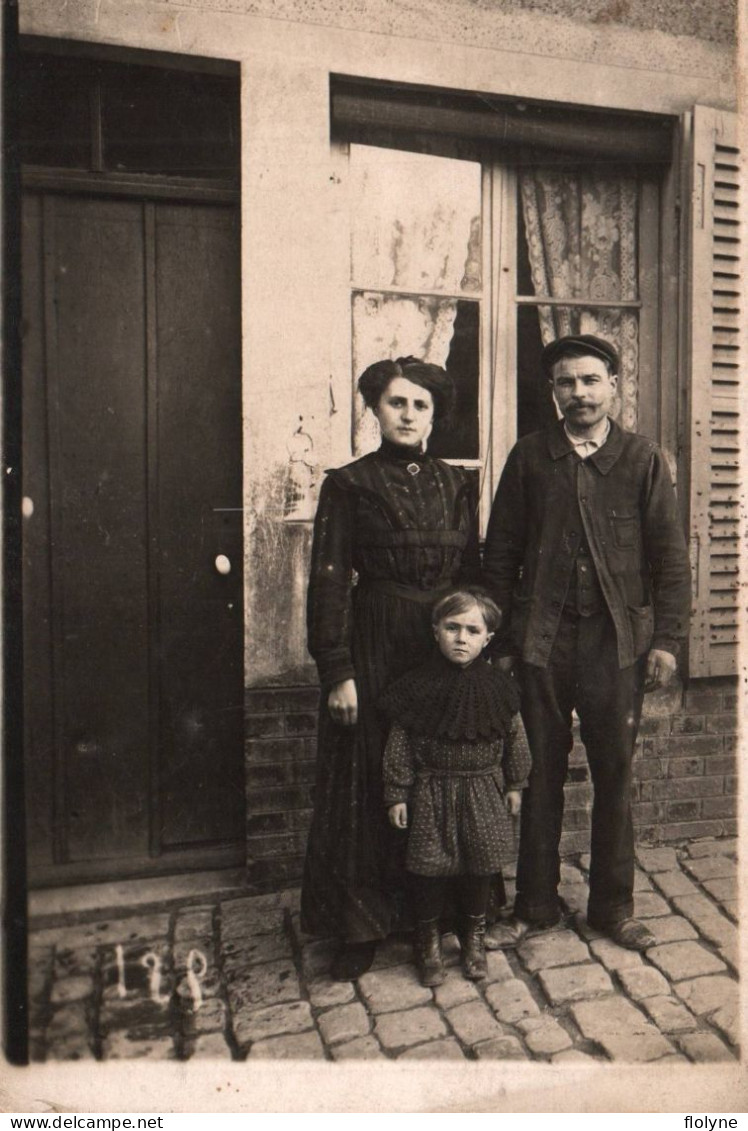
142	930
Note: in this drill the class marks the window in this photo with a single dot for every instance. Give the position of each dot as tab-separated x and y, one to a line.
474	255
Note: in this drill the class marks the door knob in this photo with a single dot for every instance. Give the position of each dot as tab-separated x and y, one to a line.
223	565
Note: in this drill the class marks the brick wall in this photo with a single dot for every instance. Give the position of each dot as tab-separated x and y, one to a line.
281	747
684	774
684	768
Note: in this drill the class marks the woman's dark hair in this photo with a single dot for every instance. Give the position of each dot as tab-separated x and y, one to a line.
463	599
374	380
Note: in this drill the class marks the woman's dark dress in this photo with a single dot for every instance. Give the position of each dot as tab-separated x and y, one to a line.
409	538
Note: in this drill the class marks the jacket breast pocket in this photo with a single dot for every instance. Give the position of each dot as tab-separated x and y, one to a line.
625	529
641	618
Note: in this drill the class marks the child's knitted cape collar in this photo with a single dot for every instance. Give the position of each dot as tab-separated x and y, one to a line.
442	700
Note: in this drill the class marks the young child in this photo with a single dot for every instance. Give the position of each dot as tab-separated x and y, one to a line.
455	763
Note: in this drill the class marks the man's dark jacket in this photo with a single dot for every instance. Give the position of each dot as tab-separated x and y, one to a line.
621	500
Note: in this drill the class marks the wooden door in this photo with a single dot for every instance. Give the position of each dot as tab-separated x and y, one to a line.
132	477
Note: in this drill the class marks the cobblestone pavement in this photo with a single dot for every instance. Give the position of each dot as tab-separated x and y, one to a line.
236	979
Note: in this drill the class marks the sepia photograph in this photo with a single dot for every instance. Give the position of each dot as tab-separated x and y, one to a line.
374	408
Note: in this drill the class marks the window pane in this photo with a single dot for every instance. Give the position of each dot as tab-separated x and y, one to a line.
443	331
169	122
580	232
416	221
538	325
55	119
578	240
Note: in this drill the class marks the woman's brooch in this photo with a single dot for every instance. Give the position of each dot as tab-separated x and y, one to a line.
413	468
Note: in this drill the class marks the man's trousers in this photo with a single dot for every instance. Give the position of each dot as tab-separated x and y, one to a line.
582	674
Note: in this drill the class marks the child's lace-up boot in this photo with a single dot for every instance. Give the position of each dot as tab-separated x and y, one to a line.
428	952
473	943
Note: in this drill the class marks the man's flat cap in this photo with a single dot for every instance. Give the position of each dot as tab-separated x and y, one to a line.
579	345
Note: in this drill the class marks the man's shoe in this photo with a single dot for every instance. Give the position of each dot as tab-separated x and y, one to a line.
503	936
510	933
352	960
629	933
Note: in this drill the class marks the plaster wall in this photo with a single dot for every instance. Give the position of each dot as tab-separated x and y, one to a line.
297	380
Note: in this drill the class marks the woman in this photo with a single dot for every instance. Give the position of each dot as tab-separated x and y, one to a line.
405	523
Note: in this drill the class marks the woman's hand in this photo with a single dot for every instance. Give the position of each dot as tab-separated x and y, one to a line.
398	815
514	801
342	702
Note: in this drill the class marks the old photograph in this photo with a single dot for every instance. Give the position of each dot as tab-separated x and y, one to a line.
379	384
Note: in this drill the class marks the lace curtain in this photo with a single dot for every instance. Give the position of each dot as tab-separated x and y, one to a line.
581	234
416	231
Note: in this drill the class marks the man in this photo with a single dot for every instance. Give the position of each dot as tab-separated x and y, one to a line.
585	555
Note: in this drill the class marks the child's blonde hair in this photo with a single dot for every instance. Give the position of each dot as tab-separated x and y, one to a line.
460	600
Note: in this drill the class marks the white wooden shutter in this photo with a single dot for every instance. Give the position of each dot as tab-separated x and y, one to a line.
713	348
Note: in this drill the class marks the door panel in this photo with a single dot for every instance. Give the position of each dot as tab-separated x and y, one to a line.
133	414
199	420
96	387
